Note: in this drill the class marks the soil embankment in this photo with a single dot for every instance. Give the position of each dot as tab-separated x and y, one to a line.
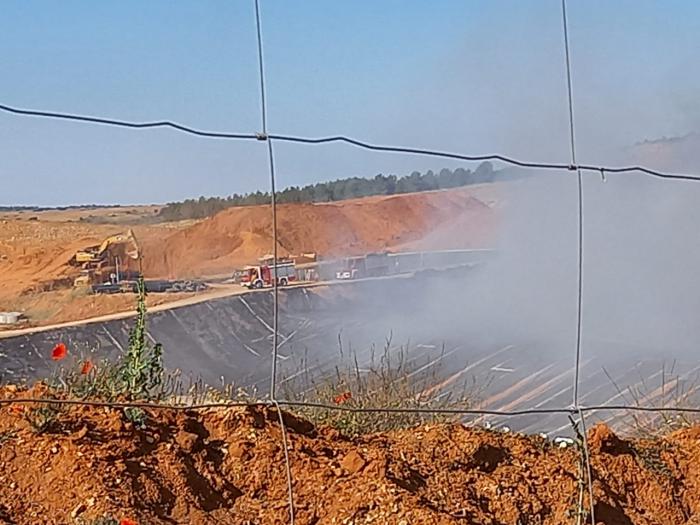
449	219
227	466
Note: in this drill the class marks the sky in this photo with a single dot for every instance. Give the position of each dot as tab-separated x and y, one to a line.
474	77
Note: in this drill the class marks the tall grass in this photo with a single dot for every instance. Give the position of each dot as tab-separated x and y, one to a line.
390	380
671	392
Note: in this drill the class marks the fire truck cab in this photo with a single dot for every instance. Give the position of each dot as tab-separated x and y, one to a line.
261	276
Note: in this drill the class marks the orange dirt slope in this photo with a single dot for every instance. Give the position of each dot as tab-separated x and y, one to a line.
35	276
239	236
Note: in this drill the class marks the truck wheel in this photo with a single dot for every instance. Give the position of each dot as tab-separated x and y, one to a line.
284	281
258	285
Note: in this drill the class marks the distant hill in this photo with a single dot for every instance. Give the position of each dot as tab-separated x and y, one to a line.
338	190
458	218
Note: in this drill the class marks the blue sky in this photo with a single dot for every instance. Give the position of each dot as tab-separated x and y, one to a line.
468	76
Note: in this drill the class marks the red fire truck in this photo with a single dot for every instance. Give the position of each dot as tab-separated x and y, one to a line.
261	276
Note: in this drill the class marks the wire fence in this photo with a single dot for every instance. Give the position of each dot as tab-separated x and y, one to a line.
264	136
579	267
585	409
576	410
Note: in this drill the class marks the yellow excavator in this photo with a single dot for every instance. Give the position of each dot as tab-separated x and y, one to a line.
94	254
99	261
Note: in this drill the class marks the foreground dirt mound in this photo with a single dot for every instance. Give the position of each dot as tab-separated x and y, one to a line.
241	235
227	466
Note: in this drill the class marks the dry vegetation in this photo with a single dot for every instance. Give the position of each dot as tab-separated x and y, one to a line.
391	380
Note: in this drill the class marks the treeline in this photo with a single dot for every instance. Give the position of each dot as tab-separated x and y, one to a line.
336	190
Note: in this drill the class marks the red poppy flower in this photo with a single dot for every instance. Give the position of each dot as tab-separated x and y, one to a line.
59	352
342	398
127	521
87	366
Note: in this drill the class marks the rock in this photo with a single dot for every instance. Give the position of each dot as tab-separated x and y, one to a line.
240	450
78	510
186	440
80	433
353	462
602	439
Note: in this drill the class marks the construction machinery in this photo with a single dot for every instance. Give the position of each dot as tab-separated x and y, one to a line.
370	265
95	254
107	262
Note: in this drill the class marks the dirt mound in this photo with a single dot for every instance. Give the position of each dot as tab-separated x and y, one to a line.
37	278
34	253
241	235
227	466
31	251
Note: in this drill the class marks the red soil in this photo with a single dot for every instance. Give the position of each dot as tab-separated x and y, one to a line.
227	466
240	235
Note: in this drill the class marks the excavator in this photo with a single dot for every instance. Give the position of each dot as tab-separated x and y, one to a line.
94	254
101	263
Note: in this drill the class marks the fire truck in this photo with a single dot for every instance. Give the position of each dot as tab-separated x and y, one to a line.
262	275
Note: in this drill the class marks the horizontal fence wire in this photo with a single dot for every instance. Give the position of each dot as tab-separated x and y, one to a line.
347	408
353	142
126	124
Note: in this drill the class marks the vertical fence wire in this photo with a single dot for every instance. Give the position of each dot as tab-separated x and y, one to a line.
275	285
587	462
580	244
273	198
572	146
